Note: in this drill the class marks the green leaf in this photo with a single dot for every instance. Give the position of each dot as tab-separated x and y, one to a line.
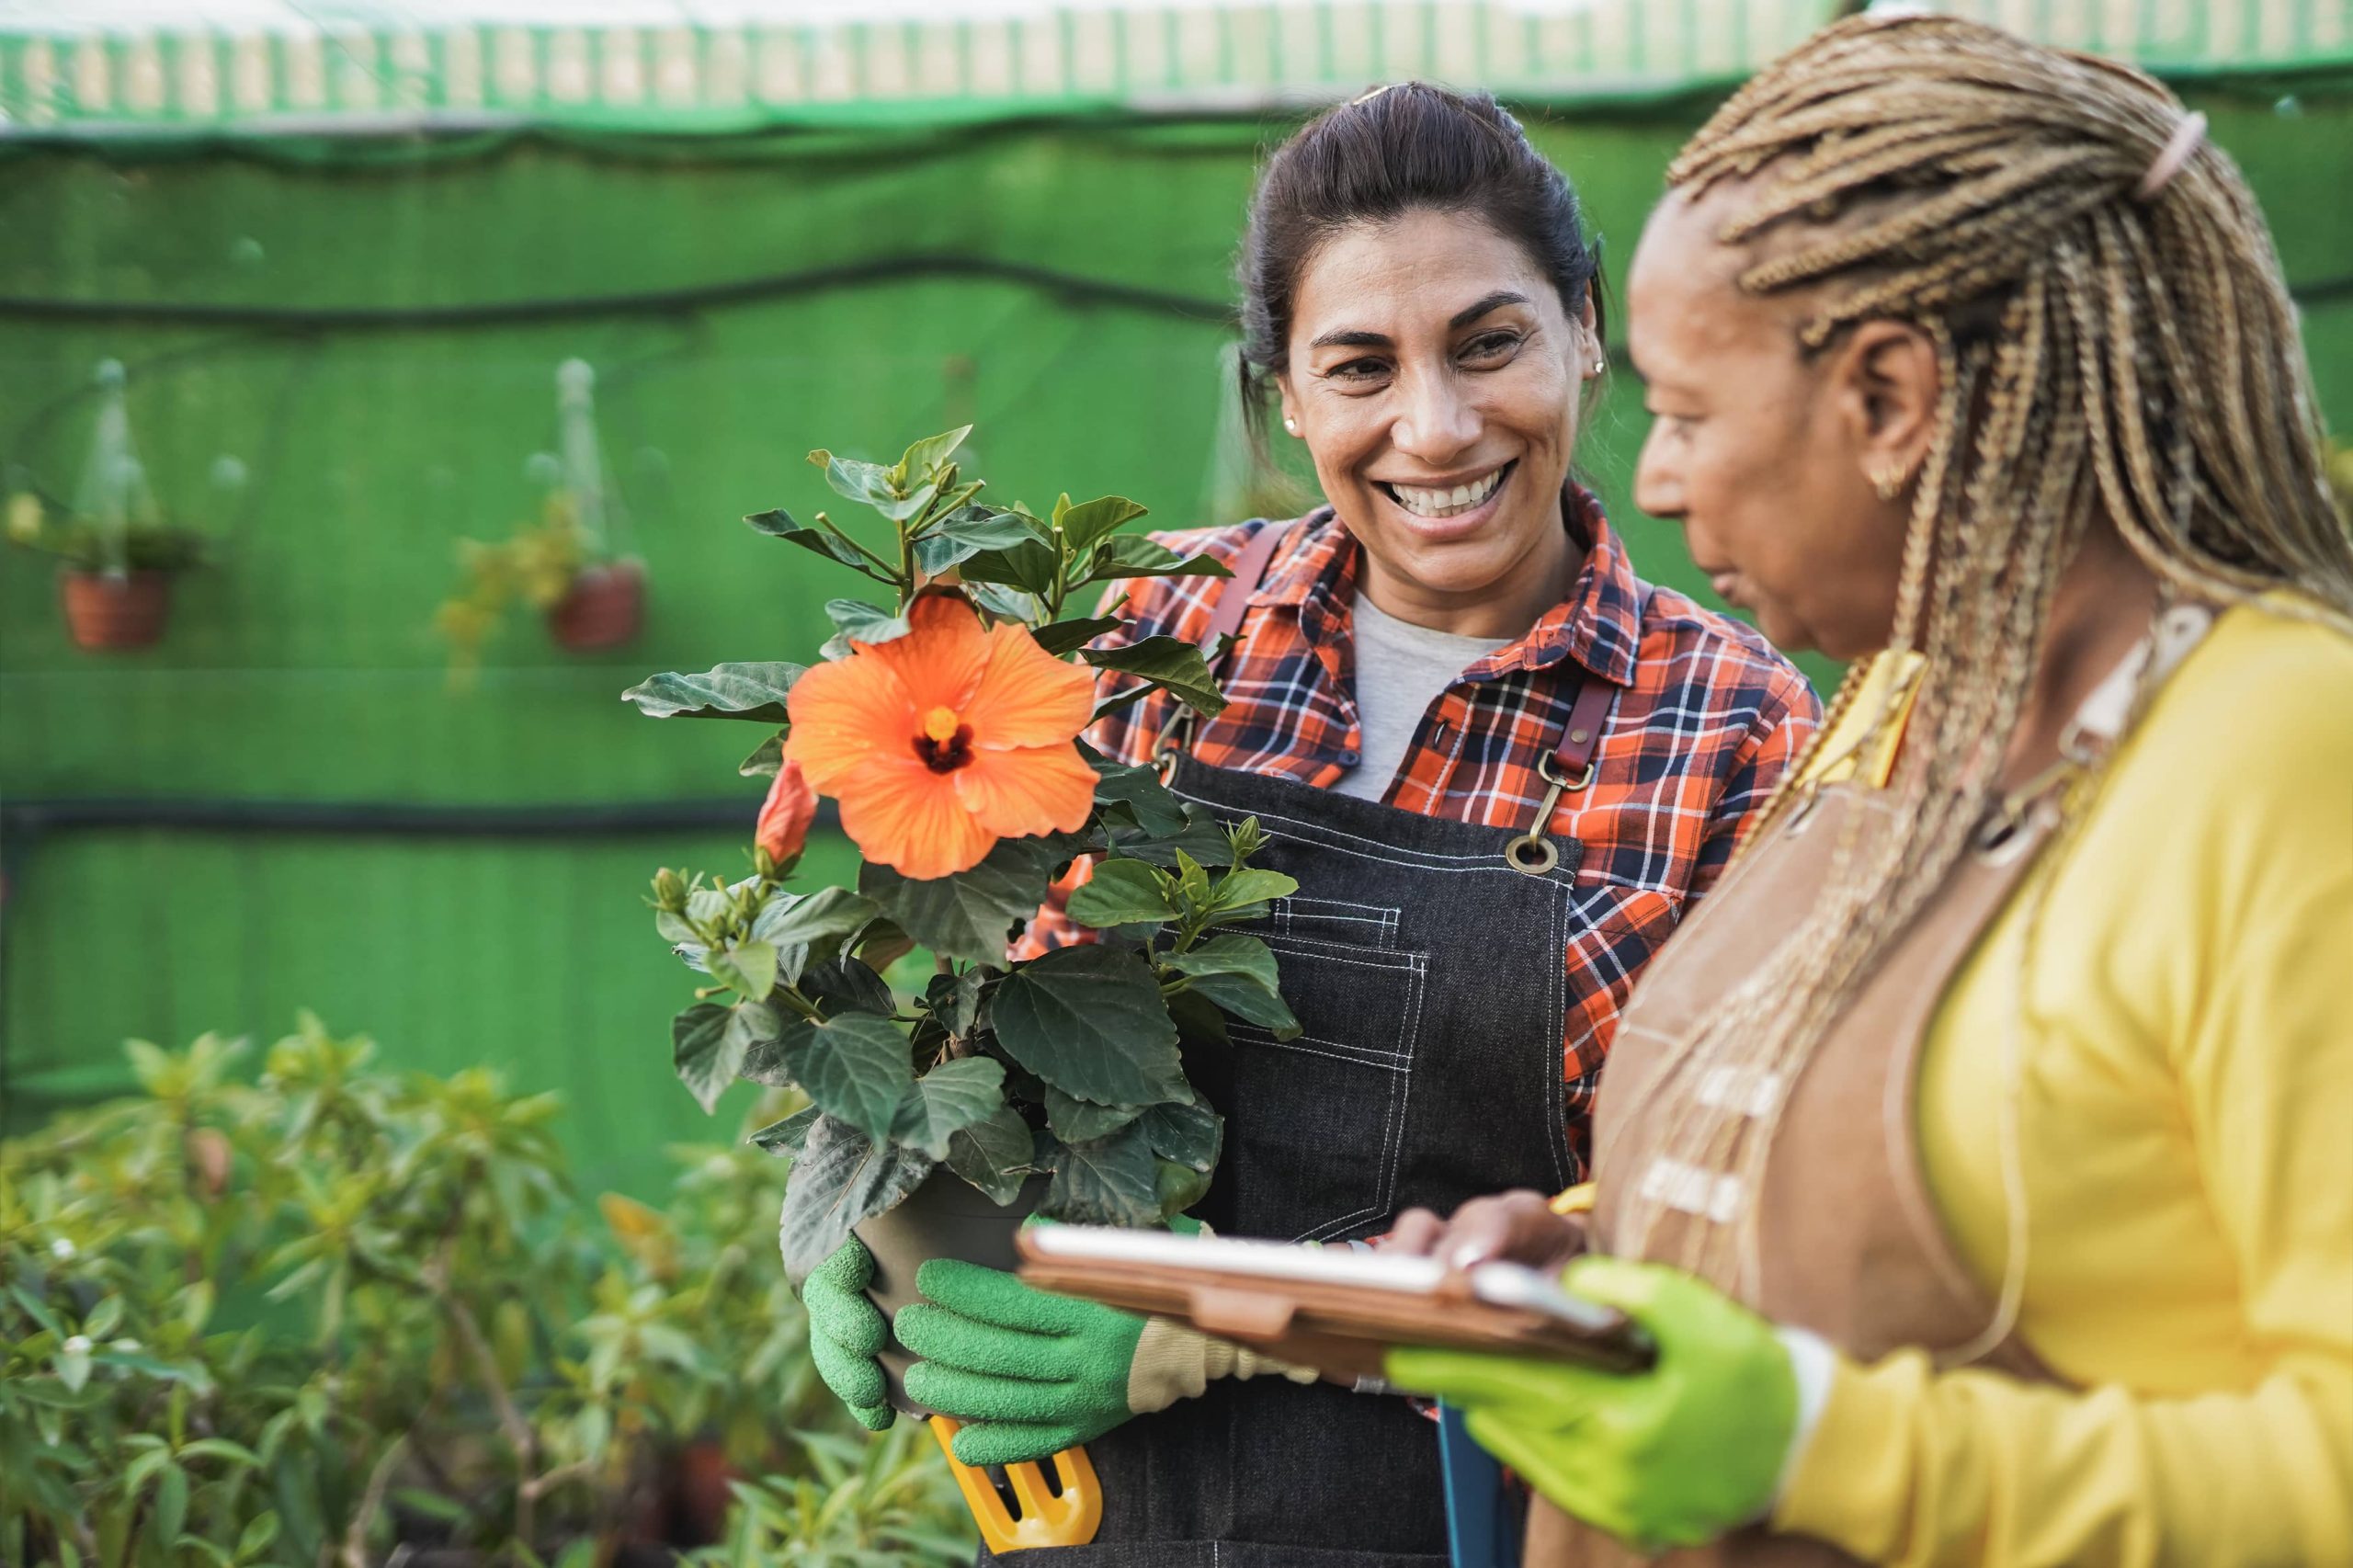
1112	1181
818	542
789	1135
1240	889
1091	520
984	529
754	692
103	1318
868	482
856	1068
1140	791
171	1504
705	1050
766	759
73	1369
1189	1134
1238	973
846	985
946	1100
867	623
1067	636
259	1533
924	456
993	1153
220	1449
969	915
1132	555
955	1000
1171	664
841	1178
1121	892
1196	1018
1076	1121
1192	882
1178	1187
1030	566
749	968
802	926
1089	1021
1203	840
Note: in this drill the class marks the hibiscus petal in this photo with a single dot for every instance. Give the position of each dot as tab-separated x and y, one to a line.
1026	696
845	713
1022	790
902	815
941	659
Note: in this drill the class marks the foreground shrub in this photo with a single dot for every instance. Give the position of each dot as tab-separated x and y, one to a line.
305	1318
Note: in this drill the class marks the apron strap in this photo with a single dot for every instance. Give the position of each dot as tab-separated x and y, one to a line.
1232	604
1233	598
1568	767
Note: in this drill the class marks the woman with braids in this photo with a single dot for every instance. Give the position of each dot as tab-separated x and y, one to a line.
1499	764
1981	1157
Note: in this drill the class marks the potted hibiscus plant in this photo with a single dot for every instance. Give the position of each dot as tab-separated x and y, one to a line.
975	1088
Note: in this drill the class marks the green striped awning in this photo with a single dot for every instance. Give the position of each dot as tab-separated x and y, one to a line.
99	67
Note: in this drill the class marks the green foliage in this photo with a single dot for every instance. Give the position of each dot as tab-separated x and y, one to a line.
536	565
80	544
1000	1069
301	1318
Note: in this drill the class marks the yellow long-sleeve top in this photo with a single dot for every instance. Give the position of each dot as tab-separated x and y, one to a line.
2186	1139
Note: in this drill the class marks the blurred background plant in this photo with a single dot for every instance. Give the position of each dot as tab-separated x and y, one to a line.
328	1311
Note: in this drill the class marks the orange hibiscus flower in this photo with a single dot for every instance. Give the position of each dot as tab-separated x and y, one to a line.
942	742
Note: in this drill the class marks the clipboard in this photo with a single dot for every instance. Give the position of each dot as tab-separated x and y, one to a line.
1335	1310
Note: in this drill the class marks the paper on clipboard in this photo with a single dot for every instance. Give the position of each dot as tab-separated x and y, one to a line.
1336	1310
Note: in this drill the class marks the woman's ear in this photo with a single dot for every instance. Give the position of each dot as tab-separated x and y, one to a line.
1888	387
1288	403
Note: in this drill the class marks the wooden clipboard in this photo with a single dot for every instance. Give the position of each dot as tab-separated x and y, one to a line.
1336	1310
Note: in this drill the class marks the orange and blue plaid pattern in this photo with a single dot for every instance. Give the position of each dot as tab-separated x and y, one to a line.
1707	720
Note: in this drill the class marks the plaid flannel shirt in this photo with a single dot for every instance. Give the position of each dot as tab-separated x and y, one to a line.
1707	720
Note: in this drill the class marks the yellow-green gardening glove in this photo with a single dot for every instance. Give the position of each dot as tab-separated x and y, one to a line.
847	1331
1675	1456
1028	1373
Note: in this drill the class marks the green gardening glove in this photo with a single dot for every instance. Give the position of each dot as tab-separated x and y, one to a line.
1027	1373
1677	1456
847	1331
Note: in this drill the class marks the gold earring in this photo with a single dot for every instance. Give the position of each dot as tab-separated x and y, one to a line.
1889	480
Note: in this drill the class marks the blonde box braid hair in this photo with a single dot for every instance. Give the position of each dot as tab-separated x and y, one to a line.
2113	340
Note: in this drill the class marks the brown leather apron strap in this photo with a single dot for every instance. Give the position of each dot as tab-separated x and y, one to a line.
1226	613
1233	599
1569	768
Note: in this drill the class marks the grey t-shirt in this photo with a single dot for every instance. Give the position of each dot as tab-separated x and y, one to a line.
1401	668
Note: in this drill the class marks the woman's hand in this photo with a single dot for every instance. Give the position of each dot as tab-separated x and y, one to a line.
1674	1456
1519	1226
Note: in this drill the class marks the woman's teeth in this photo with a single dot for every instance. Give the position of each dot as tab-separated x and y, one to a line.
1452	502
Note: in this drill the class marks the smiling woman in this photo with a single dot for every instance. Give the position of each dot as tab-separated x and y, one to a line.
1498	765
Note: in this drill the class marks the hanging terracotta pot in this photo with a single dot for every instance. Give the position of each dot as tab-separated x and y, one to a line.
107	611
602	609
946	1217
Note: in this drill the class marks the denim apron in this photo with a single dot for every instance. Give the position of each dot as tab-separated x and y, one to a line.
1425	960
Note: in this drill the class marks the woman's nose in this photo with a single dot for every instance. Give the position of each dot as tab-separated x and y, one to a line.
1438	424
1657	488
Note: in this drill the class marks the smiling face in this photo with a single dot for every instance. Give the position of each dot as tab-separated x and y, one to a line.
1764	455
1434	377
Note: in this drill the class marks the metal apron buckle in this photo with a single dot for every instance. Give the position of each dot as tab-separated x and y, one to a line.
1532	853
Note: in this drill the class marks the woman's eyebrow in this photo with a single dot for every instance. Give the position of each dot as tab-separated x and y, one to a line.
1353	338
1494	302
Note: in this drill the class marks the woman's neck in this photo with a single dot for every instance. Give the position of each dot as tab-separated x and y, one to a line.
1505	608
2103	604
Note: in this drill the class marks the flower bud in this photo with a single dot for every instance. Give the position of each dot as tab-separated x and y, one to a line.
785	817
669	891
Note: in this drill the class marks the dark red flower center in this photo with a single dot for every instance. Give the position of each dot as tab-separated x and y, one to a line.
947	755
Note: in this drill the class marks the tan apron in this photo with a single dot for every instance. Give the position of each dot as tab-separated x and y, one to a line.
1850	1245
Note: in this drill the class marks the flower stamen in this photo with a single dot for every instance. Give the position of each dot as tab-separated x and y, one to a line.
946	743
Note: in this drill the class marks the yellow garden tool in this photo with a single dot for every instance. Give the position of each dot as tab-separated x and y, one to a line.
1064	1511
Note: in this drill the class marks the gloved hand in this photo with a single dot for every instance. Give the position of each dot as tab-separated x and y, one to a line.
1677	1456
1029	1373
847	1331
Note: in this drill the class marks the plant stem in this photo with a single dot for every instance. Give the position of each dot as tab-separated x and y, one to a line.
355	1540
799	1004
